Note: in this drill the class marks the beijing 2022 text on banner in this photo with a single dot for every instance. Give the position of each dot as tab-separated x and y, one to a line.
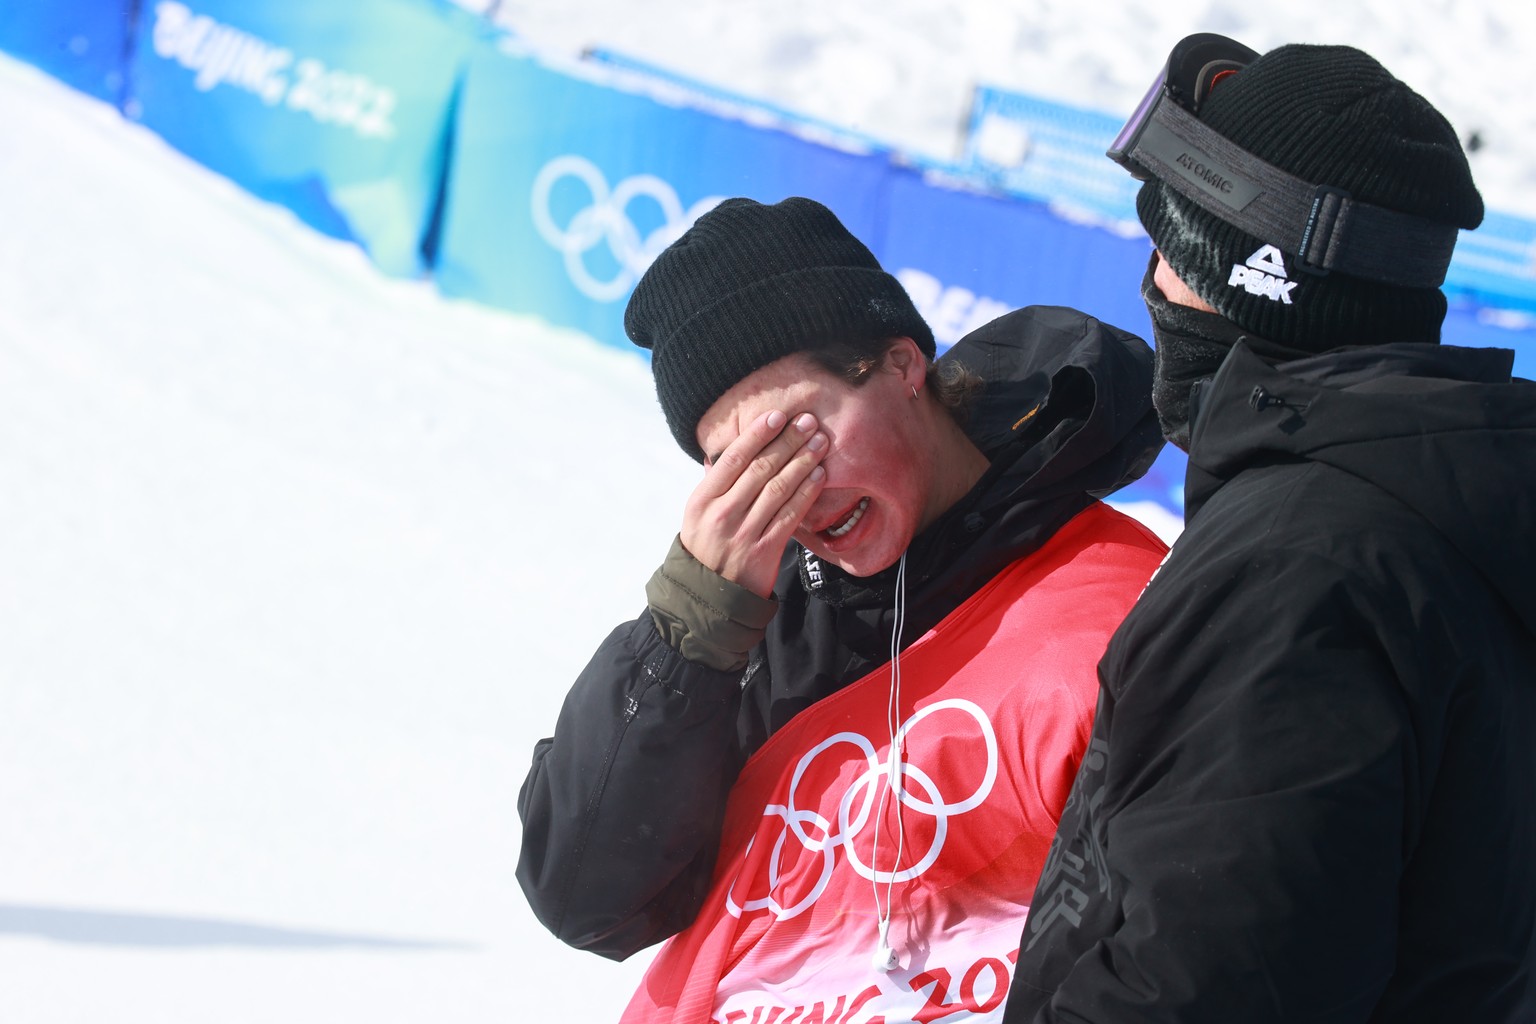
563	188
83	42
339	113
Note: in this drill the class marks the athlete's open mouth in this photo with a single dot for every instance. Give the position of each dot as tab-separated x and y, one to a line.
847	524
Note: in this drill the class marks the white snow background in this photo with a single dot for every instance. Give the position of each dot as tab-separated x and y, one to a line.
297	562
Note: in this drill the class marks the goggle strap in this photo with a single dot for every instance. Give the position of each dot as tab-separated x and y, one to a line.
1325	227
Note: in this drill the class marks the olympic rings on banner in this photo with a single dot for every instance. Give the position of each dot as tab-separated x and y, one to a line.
606	220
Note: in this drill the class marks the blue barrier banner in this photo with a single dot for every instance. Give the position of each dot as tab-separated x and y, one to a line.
1497	261
563	188
966	258
1050	152
83	43
336	110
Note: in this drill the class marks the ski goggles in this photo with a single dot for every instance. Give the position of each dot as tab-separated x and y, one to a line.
1324	228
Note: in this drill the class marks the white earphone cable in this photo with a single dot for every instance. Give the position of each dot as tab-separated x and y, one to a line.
885	958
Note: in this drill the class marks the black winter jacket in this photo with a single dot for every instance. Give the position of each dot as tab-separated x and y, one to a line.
1310	791
623	807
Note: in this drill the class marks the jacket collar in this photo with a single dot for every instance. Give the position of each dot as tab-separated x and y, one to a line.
1442	429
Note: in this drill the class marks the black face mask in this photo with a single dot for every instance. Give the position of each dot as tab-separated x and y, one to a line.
1189	346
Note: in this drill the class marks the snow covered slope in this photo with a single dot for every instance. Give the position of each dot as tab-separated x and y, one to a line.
296	565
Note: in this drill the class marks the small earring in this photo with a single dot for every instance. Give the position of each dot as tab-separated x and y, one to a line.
914	390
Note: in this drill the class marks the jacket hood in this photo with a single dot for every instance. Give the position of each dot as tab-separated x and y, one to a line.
1442	429
1065	417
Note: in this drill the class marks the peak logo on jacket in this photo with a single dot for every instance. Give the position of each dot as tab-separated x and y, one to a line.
842	808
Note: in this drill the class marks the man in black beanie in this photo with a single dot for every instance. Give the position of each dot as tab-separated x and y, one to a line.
1310	793
829	754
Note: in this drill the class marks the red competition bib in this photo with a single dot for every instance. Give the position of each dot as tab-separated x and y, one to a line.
996	703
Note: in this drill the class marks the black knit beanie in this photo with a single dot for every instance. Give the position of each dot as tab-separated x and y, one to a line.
749	284
1330	115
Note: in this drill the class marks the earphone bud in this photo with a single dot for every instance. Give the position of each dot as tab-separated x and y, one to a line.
884	959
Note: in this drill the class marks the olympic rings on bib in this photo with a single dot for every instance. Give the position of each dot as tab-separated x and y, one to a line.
814	830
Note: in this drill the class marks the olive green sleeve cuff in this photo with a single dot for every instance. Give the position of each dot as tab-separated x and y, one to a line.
704	616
